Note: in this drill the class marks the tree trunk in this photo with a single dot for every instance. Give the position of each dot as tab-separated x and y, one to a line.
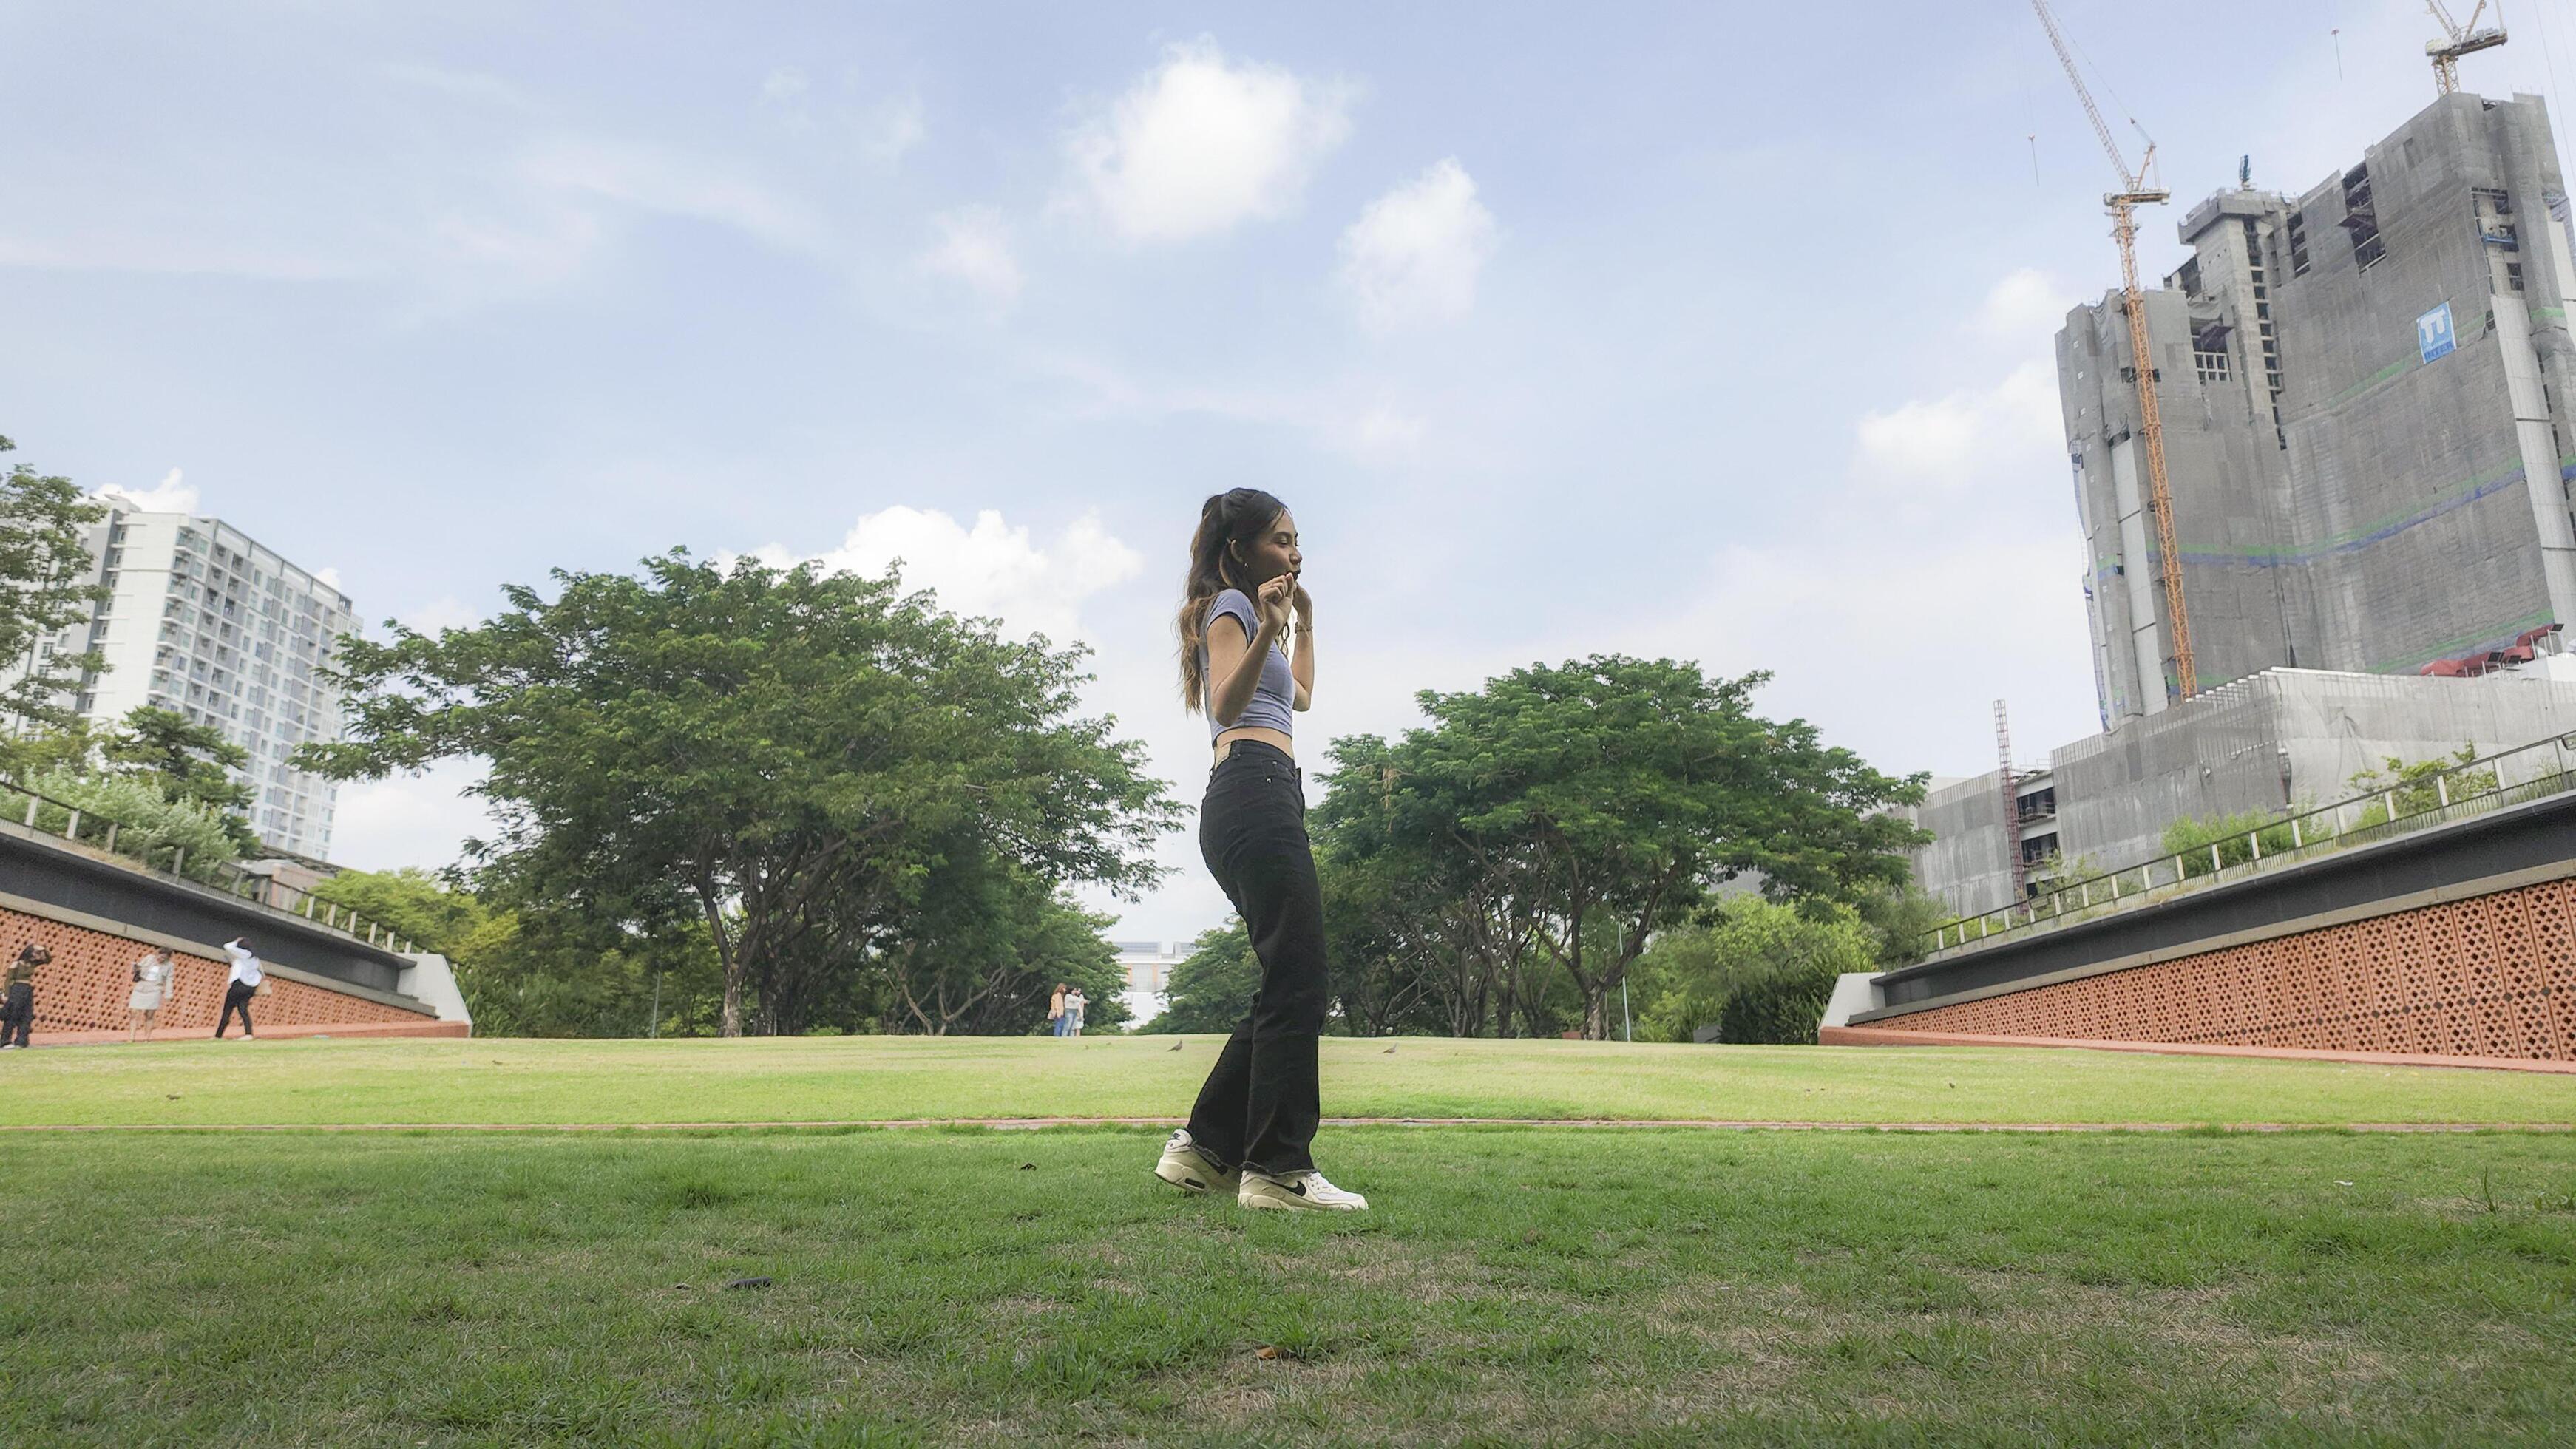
729	956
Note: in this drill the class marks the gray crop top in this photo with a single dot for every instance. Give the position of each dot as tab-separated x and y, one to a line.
1274	699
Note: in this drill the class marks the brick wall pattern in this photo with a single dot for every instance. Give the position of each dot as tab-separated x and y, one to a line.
2490	976
86	986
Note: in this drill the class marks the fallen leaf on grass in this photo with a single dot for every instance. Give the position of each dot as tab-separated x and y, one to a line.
1271	1350
748	1283
1028	1167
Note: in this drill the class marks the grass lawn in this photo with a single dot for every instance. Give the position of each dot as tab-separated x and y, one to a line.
1512	1285
881	1078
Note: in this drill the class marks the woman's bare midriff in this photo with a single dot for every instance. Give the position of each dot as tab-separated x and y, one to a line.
1276	739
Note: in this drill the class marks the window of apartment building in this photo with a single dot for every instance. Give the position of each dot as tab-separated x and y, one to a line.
2298	244
2360	219
2209	366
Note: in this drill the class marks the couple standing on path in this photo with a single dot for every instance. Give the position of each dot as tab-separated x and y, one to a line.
1247	629
1064	1010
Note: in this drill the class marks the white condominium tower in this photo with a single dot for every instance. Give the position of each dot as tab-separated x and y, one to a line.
204	621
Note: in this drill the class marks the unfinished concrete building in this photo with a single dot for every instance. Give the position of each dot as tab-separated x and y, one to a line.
2366	403
2285	738
2366	419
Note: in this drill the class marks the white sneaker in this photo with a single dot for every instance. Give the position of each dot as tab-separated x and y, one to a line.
1297	1190
1186	1167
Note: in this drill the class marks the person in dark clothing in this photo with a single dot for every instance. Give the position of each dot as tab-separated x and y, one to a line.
239	987
18	1001
1248	670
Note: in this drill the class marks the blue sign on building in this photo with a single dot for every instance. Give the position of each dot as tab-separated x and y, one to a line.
2433	335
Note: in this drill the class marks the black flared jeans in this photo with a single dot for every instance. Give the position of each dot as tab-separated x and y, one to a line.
1262	1103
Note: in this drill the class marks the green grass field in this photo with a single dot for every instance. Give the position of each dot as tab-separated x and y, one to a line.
887	1078
1511	1285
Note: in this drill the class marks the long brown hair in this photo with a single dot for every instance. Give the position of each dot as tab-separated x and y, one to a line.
1238	515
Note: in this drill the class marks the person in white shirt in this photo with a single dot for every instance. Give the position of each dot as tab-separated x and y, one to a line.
151	988
239	988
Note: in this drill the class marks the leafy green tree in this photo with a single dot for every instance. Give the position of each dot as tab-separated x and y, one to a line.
2413	788
776	753
2192	840
189	763
1416	907
1396	968
557	974
418	906
149	826
1751	968
1211	990
1602	799
45	587
69	749
538	974
979	949
1899	919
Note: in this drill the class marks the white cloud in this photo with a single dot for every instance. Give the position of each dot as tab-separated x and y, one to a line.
1963	438
892	129
991	569
648	178
420	820
974	247
171	496
883	132
443	613
783	93
2027	306
329	577
1333	416
1413	255
1200	144
1384	428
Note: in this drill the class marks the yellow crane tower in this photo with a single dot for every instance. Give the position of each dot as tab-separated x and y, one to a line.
2463	40
2123	203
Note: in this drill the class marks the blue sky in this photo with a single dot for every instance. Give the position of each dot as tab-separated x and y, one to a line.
1666	329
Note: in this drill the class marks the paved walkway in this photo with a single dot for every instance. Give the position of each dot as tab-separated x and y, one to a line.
1025	1124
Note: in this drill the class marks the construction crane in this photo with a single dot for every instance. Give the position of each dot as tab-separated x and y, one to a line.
2133	193
2464	40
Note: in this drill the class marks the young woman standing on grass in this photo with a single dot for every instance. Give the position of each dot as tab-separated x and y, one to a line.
1254	1123
151	989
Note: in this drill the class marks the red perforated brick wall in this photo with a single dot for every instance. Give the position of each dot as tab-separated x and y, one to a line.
2491	976
86	985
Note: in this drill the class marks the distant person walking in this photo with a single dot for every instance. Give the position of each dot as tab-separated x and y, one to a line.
151	988
1057	1021
18	1002
1074	1002
1248	671
240	987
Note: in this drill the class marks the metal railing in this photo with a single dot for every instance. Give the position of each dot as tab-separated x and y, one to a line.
46	815
2468	787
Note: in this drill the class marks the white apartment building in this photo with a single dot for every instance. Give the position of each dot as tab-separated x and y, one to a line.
204	621
1148	965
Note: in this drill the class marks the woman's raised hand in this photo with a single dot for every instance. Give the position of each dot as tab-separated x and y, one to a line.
1274	600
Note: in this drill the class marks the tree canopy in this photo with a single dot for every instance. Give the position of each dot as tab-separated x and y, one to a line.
1546	826
792	758
44	587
